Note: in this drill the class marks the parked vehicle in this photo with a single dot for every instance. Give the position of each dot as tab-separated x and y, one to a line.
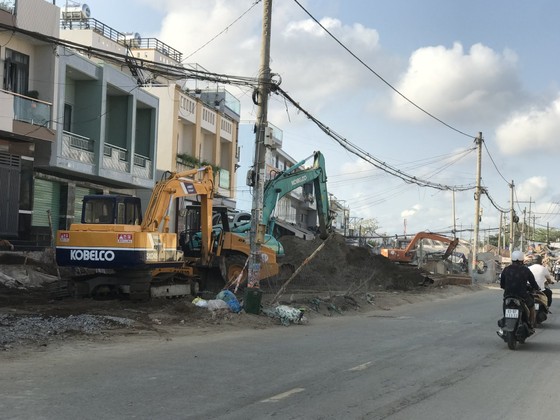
233	263
408	254
138	255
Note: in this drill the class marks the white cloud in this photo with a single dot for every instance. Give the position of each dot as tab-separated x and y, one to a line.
536	130
534	189
313	67
411	211
450	83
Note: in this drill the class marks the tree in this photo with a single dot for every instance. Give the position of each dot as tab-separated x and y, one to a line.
365	227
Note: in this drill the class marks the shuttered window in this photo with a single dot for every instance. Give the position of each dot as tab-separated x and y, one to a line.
46	196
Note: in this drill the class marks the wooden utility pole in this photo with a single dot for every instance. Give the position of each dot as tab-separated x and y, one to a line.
477	194
260	98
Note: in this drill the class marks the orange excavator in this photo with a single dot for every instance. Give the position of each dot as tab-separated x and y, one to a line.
406	255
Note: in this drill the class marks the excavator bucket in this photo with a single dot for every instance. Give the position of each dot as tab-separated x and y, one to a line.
451	248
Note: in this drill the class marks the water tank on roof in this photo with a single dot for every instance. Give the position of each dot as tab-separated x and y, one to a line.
80	12
132	39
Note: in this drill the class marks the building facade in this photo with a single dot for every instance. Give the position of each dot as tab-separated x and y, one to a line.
76	121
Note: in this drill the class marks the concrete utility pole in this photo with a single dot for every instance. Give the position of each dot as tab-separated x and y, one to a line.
256	236
511	216
500	236
477	194
454	217
524	228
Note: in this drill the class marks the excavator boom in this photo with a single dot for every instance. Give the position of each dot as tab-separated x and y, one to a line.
406	255
291	179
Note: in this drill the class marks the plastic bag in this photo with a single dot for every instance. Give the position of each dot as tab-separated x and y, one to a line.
201	303
215	304
230	299
287	314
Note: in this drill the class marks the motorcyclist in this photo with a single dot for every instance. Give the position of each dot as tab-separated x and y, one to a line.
515	279
542	277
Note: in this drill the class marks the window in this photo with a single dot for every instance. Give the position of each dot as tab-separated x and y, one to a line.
128	212
16	72
67	124
98	211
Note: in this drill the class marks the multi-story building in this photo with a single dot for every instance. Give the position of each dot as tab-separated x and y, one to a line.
27	123
194	127
198	127
75	123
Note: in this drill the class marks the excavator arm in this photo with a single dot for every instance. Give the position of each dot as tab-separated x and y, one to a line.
406	255
198	182
292	179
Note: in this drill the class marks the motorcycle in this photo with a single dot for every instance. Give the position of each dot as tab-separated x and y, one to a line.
514	326
541	306
556	270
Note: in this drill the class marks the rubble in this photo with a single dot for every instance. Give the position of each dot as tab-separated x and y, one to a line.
23	329
341	279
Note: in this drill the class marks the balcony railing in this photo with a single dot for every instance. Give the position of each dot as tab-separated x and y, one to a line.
142	166
115	158
156	44
32	111
122	38
77	148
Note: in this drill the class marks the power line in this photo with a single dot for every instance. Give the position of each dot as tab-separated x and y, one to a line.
410	101
223	31
356	150
495	166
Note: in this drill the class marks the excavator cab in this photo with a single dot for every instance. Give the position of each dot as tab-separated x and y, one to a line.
112	210
190	239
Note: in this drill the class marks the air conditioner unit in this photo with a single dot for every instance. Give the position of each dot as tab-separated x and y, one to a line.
80	12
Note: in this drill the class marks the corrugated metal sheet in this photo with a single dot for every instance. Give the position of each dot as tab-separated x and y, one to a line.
46	196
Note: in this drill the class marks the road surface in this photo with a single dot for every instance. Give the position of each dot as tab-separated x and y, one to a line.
431	360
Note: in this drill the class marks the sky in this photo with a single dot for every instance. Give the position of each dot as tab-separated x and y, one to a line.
464	67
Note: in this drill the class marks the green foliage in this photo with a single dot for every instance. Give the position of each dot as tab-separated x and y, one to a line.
193	162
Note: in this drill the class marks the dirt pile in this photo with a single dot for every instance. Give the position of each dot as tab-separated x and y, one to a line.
337	280
342	267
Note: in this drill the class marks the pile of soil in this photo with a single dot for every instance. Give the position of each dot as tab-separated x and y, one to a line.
336	279
338	266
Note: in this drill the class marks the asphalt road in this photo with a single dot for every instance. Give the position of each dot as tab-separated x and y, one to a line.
431	360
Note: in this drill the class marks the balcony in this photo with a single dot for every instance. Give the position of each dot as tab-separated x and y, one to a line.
32	111
142	167
115	158
78	148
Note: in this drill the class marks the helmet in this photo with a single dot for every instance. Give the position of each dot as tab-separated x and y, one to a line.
537	259
517	256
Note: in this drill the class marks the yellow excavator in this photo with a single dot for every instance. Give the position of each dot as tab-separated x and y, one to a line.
138	255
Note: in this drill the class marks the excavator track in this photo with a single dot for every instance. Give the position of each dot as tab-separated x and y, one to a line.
140	284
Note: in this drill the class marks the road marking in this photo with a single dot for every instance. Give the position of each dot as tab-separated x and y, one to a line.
363	366
283	395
